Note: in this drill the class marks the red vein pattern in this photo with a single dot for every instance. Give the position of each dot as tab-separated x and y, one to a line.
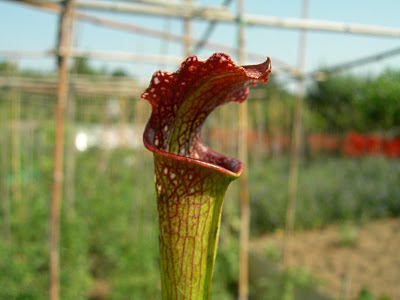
190	178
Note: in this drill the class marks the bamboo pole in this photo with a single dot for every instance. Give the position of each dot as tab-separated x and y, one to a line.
65	34
268	21
187	29
207	33
165	42
82	86
176	11
295	145
243	154
259	119
123	120
119	55
321	74
70	159
133	28
16	152
224	15
4	171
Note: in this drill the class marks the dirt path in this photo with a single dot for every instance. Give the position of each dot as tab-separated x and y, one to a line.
347	258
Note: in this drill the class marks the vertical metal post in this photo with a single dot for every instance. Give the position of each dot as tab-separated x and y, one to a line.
296	143
64	41
242	153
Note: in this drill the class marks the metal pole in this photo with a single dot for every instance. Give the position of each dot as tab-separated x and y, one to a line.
295	144
242	153
64	41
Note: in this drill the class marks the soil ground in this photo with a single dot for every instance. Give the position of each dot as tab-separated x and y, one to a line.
346	258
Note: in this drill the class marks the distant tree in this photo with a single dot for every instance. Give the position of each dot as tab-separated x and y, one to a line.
81	66
343	102
7	66
119	73
381	107
333	101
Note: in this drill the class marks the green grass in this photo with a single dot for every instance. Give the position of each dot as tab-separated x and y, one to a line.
330	190
113	237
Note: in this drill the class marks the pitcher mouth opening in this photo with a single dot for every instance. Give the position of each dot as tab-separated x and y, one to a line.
181	101
202	155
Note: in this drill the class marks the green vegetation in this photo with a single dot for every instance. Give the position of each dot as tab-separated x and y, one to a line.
366	295
109	246
270	283
112	235
330	190
343	102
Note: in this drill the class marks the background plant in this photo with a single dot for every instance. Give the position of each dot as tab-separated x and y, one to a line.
111	240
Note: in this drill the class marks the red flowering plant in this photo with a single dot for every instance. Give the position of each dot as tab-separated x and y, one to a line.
190	178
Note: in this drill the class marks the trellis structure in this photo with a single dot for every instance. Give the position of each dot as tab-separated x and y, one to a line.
186	11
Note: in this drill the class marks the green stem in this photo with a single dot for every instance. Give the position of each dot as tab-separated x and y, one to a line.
189	200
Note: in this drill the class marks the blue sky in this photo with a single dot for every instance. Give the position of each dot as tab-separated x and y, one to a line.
25	28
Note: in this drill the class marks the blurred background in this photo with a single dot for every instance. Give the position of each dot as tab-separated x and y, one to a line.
78	216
